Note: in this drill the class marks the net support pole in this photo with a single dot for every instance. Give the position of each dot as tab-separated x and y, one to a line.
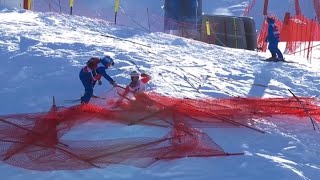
314	124
71	6
116	8
265	7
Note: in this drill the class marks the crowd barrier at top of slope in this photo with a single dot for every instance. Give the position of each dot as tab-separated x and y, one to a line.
35	140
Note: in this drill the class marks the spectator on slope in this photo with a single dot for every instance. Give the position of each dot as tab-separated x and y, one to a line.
92	72
273	38
137	87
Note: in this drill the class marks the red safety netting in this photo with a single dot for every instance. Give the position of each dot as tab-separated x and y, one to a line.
35	140
305	30
299	27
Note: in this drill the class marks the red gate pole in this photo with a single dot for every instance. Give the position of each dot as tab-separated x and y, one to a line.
25	4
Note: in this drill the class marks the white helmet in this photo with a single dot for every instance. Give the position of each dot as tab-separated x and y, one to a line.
135	74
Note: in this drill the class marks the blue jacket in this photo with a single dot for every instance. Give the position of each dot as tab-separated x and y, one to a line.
88	75
273	33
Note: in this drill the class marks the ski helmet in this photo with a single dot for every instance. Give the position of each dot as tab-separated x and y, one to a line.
107	60
270	20
135	74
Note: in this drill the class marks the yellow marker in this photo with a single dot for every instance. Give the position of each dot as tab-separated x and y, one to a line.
29	4
208	27
71	6
116	6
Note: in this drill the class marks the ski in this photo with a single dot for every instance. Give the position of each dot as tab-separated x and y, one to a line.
276	60
203	82
192	85
98	97
79	100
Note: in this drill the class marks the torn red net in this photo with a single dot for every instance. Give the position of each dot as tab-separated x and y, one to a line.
35	140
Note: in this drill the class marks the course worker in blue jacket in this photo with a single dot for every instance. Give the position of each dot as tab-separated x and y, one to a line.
273	38
92	72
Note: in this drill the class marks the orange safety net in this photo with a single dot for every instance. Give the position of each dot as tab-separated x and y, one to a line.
295	29
35	140
300	28
249	7
316	4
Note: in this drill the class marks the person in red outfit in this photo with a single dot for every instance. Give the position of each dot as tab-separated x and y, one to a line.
137	87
